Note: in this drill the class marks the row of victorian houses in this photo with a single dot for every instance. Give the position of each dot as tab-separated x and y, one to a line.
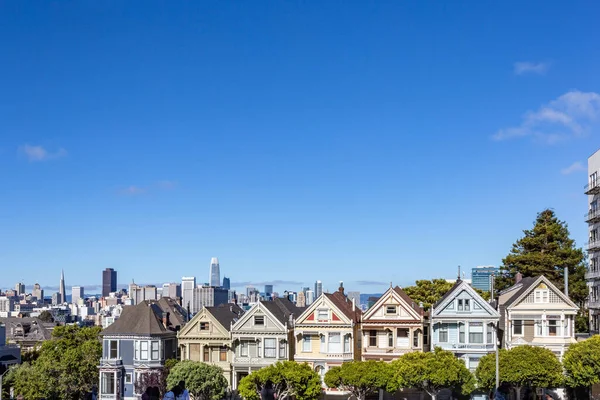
332	330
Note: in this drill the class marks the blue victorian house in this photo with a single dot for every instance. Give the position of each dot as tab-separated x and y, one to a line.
137	345
465	324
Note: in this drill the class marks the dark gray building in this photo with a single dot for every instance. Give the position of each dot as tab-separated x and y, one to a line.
268	290
109	281
136	344
226	283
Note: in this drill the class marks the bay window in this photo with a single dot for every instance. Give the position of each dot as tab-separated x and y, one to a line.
143	350
282	349
335	344
108	383
154	350
270	348
461	332
517	325
443	333
244	348
347	344
475	332
306	345
323	346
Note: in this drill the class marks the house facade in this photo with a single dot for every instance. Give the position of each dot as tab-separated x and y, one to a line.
135	345
393	326
207	337
535	312
465	324
328	333
263	336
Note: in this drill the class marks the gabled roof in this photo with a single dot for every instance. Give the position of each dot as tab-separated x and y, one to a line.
226	314
177	315
457	288
526	285
345	305
141	320
33	329
282	309
411	306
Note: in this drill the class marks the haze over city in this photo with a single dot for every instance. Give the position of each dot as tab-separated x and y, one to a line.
369	143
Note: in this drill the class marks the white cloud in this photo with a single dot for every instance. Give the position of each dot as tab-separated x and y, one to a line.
524	67
571	115
132	190
39	153
575	167
166	185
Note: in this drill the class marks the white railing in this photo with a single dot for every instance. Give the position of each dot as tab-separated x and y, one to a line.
339	355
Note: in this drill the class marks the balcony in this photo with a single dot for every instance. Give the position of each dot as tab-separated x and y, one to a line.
593	245
593	216
344	356
595	274
592	188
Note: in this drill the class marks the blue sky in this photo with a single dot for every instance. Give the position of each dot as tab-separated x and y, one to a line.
360	141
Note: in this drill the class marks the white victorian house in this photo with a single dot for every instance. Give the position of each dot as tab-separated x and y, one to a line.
263	336
465	324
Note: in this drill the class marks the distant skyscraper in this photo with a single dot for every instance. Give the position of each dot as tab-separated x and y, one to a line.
150	292
301	300
209	296
226	283
56	299
38	292
318	289
109	281
76	294
20	288
309	297
215	272
268	290
188	284
481	277
249	290
61	288
172	290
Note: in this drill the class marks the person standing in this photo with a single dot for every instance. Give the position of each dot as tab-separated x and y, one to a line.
185	395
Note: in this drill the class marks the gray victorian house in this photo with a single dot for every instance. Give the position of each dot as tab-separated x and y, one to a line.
136	346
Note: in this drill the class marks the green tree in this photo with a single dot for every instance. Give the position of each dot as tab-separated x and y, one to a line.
546	250
360	378
582	363
431	372
521	366
67	366
203	381
289	379
46	316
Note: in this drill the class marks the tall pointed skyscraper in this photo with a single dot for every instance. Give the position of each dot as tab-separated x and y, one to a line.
215	273
61	288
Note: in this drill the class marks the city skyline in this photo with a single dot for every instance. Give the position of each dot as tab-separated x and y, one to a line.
326	140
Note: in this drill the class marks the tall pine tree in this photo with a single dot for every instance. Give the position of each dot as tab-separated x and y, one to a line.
546	250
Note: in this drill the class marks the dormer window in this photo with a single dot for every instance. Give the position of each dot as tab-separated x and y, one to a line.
391	310
541	293
464	305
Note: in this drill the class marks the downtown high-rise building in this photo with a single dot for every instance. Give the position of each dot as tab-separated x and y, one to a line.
215	272
268	290
38	292
309	297
109	282
77	293
209	296
20	289
188	284
318	289
226	283
301	299
481	277
171	290
61	288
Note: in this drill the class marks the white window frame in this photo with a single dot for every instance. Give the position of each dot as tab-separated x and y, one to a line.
391	309
462	332
104	385
337	340
282	349
306	344
541	296
443	328
467	304
521	324
128	377
479	331
322	344
204	326
460	306
110	343
244	348
347	347
155	350
322	314
259	318
271	348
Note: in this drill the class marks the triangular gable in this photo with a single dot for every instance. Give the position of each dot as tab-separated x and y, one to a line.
192	328
391	297
542	280
310	316
464	287
245	323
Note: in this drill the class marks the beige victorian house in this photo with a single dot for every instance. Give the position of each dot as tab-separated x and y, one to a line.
393	326
535	312
207	337
328	332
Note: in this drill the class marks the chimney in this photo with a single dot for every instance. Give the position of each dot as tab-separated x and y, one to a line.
518	277
341	289
567	281
165	319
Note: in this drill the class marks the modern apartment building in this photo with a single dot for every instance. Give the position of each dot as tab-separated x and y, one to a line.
77	292
481	277
188	284
208	296
592	217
